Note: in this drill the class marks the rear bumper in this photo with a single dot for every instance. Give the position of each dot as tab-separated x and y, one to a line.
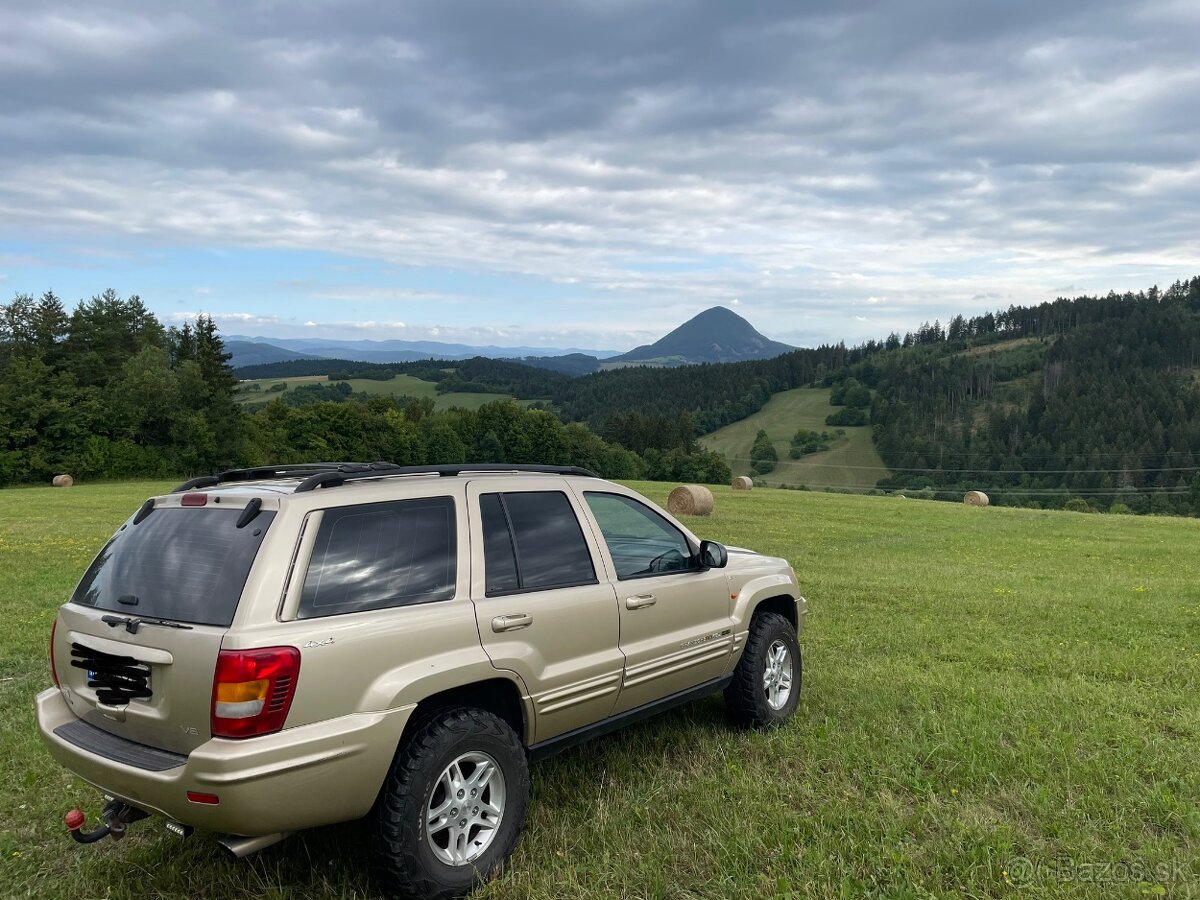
299	778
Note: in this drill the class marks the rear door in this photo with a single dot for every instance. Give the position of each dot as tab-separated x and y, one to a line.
676	630
544	607
136	647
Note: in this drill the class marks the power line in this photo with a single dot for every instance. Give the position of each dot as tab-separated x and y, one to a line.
982	471
967	454
994	491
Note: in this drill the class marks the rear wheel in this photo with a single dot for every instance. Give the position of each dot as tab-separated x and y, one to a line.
766	683
453	806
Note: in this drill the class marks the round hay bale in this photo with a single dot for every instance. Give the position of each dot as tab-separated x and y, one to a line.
975	498
743	483
62	481
690	500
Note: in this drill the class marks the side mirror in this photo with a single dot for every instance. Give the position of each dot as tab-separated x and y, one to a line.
713	555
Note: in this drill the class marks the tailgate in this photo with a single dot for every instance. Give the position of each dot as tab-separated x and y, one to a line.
153	687
136	649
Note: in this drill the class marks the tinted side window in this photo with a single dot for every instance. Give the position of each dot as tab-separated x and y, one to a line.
499	557
640	541
381	555
550	549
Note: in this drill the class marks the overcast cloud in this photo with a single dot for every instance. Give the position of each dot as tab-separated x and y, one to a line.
594	172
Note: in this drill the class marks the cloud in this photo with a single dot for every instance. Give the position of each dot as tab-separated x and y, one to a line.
225	319
930	153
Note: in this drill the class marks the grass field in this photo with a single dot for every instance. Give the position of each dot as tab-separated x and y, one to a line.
851	462
997	703
397	386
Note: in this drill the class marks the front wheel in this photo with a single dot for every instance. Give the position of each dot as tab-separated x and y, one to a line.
766	683
453	806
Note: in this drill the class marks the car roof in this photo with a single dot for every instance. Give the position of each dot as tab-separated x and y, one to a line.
307	477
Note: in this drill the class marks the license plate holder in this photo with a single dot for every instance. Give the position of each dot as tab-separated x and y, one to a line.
92	675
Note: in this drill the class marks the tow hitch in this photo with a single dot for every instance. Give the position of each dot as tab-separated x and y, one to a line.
116	815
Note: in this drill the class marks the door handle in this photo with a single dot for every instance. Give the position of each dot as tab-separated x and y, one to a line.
640	601
511	623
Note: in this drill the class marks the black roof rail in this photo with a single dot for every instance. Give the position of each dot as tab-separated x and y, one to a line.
333	479
331	474
287	470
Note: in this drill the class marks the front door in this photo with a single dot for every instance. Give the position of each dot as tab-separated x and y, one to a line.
676	630
543	610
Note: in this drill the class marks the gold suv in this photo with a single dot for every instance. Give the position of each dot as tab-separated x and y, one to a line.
273	649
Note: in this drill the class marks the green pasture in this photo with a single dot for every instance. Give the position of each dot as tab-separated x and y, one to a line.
397	386
996	703
851	462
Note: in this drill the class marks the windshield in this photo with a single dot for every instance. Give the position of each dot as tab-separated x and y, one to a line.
185	565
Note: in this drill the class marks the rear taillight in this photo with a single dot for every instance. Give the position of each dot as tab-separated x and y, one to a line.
53	670
253	690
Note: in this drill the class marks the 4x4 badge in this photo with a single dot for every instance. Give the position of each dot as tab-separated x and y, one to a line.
311	644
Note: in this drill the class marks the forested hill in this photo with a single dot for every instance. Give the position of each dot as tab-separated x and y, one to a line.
1094	398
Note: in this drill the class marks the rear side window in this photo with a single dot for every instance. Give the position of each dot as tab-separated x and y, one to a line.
499	557
184	565
381	555
532	541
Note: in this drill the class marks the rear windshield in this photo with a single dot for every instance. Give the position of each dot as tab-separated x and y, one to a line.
185	565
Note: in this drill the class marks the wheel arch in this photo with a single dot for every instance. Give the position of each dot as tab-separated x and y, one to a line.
501	696
784	604
773	593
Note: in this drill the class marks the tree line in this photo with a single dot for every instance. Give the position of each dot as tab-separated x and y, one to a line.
637	406
1094	398
107	391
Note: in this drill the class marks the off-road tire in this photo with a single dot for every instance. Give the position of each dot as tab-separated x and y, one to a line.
402	861
746	695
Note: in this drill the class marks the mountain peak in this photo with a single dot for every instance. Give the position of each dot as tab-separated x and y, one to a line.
716	335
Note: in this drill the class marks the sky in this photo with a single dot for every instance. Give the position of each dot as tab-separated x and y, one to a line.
591	173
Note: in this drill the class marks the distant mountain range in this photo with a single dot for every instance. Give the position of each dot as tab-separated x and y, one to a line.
716	335
252	351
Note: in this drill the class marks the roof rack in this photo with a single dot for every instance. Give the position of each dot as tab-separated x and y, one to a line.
292	470
325	475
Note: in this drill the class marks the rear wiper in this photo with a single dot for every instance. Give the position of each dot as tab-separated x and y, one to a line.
132	625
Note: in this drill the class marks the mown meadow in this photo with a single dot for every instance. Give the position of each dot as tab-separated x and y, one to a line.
851	461
996	703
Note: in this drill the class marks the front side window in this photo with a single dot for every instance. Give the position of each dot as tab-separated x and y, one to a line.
381	555
532	541
640	541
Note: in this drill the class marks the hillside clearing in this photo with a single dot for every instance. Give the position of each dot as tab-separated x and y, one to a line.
851	462
1001	346
984	688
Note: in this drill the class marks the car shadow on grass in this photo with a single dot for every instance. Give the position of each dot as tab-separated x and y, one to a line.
335	861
